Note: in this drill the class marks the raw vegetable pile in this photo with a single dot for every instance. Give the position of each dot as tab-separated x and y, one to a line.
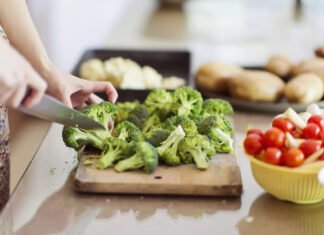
293	140
170	128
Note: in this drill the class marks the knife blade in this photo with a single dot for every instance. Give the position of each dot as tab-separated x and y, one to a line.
54	111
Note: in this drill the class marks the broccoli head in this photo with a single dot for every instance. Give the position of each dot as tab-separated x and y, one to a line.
188	125
157	136
124	109
129	132
159	101
145	158
216	106
219	131
114	150
76	138
168	149
186	102
151	124
102	113
139	116
197	149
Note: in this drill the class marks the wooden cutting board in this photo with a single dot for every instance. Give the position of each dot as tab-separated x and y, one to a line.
221	179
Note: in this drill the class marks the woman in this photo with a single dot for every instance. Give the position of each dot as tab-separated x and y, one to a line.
25	66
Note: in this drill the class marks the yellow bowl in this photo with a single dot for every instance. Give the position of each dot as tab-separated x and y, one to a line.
299	185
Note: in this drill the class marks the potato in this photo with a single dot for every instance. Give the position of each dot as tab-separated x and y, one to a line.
279	65
256	85
214	76
305	88
93	70
315	66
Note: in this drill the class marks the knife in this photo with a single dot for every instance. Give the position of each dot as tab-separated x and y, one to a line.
54	111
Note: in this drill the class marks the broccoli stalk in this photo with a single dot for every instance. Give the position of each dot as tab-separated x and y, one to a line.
145	158
218	129
128	131
186	123
216	106
76	138
114	150
187	102
197	148
169	148
151	123
138	116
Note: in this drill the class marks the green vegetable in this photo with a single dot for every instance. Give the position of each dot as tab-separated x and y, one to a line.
145	158
159	101
216	106
124	109
197	149
188	125
139	115
218	129
76	138
129	132
114	150
168	149
187	102
151	124
157	136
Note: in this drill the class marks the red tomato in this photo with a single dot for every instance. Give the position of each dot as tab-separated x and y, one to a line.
318	120
293	157
321	158
297	134
255	131
274	137
273	156
308	147
253	144
311	131
283	124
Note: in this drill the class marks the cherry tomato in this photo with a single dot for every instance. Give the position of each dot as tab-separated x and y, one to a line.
273	156
321	158
297	134
311	131
255	131
283	124
293	157
274	137
308	147
253	144
318	120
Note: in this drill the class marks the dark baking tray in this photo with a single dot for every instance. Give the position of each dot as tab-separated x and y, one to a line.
167	63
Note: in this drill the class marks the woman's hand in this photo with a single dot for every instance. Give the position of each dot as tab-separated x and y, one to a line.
76	92
17	78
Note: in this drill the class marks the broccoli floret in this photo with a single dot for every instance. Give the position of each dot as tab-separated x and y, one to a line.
124	109
168	149
216	106
159	101
188	125
187	102
151	123
102	113
145	158
198	149
129	132
77	138
114	150
157	136
219	131
138	116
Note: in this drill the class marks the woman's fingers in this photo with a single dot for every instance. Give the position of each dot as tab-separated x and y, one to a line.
94	99
37	87
106	87
17	97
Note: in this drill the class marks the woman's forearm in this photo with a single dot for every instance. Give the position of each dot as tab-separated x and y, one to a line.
19	27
